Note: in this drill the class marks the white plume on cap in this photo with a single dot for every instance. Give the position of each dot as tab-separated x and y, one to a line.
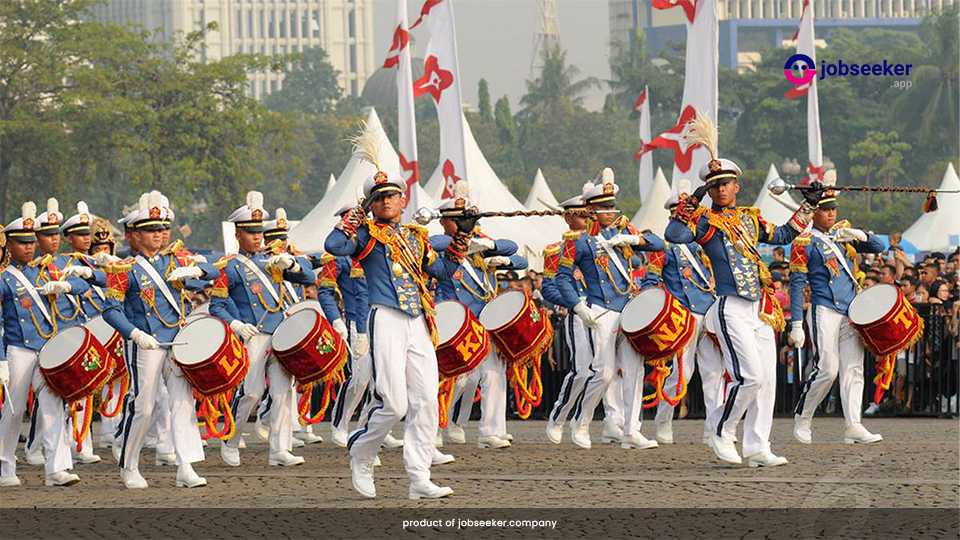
155	199
164	201
366	145
28	210
683	187
587	187
606	176
281	214
830	178
82	208
254	199
144	202
52	206
461	189
703	131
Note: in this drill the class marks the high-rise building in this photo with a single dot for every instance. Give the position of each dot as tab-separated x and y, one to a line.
747	26
344	28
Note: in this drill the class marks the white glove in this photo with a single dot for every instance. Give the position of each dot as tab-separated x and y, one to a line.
340	328
498	260
4	373
361	344
103	258
846	234
144	340
84	272
55	287
480	244
198	259
244	330
284	261
185	272
586	314
621	239
797	337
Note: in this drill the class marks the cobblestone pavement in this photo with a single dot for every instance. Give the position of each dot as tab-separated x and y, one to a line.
916	466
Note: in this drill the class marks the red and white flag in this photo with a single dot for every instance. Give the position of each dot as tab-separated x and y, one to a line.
399	56
441	81
646	161
699	84
805	45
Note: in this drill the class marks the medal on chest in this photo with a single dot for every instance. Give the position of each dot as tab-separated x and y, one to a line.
26	302
834	266
687	273
256	288
458	274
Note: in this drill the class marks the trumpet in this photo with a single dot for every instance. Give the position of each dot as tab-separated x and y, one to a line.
779	186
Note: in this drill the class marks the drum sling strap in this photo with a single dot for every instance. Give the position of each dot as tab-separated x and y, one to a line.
31	290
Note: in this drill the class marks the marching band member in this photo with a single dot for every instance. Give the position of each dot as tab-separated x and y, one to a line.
244	278
474	284
27	300
575	333
396	261
67	310
146	304
685	272
604	254
826	258
746	314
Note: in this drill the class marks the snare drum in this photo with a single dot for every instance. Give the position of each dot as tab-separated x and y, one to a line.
464	342
211	356
203	310
656	324
112	343
520	332
307	346
74	364
299	306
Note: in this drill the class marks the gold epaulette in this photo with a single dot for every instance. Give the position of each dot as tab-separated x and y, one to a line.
749	210
356	272
621	221
419	231
174	247
223	261
551	249
842	224
572	235
803	239
326	258
119	267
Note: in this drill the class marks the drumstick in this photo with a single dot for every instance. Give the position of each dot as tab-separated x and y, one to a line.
172	343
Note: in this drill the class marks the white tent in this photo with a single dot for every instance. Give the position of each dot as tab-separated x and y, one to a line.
488	193
312	231
939	230
330	183
540	197
651	214
777	209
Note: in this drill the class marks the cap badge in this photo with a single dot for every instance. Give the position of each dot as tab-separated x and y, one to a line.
379	178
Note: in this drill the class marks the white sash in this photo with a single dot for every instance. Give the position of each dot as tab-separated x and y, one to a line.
261	276
31	290
292	291
468	266
612	253
159	282
693	262
838	254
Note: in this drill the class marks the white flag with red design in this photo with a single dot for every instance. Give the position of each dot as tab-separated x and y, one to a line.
805	45
441	81
699	84
646	161
399	56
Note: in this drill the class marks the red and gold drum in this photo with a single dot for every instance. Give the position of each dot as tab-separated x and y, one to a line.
521	334
464	342
203	310
211	356
656	324
888	325
74	364
307	346
312	304
112	343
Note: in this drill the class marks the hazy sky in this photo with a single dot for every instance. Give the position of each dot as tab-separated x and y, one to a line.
495	41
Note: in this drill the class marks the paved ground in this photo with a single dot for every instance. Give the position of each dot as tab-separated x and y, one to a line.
916	466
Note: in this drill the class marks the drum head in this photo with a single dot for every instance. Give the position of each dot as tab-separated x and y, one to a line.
873	303
200	339
62	346
643	309
100	329
295	328
450	318
202	309
502	309
300	306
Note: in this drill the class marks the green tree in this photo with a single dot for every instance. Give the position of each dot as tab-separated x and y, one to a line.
876	162
558	84
310	85
483	100
506	127
632	69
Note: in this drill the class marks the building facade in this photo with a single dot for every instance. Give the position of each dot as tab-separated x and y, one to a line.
343	28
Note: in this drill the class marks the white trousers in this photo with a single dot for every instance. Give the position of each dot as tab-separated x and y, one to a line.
580	359
353	388
701	353
51	415
149	371
837	349
609	353
404	382
750	356
491	376
248	397
613	398
160	426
